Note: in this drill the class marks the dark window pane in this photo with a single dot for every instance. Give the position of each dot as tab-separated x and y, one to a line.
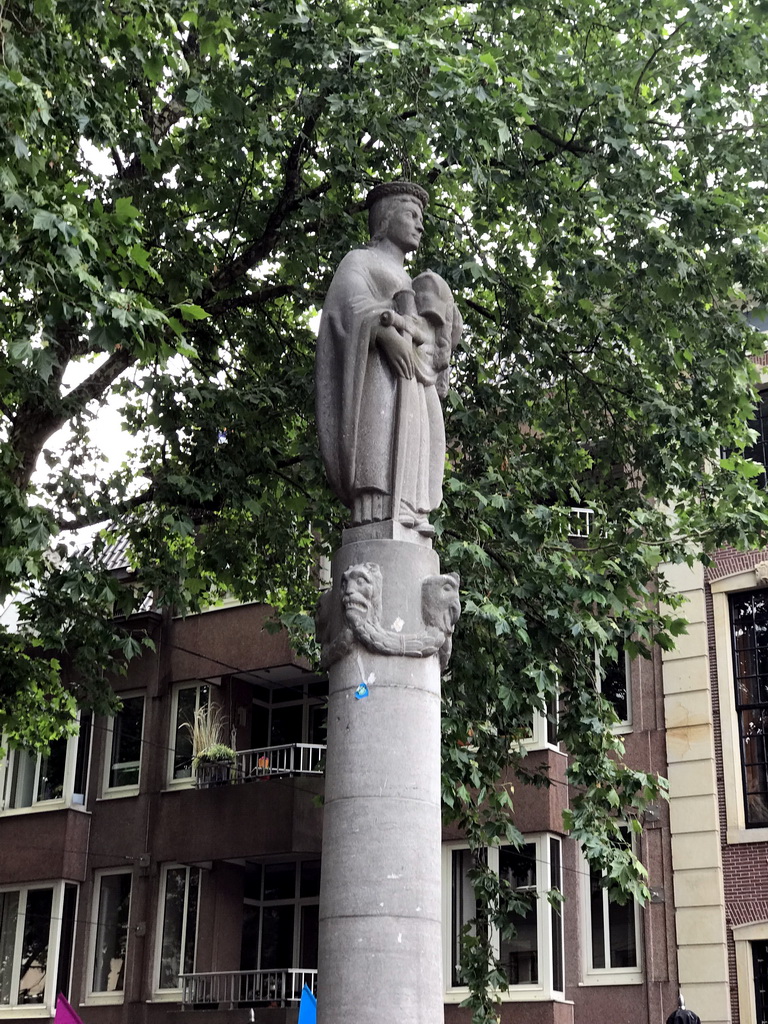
463	909
34	949
23	778
277	937
759	450
111	933
179	925
252	882
64	971
50	782
259	727
621	924
82	762
126	743
614	683
9	913
189	699
760	971
519	954
749	630
309	931
249	946
280	881
596	914
556	882
286	724
310	878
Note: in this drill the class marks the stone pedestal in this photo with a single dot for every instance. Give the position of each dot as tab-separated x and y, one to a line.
380	935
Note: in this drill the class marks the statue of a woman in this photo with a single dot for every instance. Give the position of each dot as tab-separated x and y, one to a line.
383	354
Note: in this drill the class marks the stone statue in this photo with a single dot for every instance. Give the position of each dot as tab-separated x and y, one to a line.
383	355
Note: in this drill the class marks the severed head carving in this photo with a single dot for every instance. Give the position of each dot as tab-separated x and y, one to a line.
361	591
761	574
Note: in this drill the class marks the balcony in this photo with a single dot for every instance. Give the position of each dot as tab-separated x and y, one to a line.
285	759
580	522
231	989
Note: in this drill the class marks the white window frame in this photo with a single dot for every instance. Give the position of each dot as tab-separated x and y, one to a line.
173	994
93	997
47	1007
108	791
624	725
538	739
186	782
737	831
67	799
543	990
605	975
743	937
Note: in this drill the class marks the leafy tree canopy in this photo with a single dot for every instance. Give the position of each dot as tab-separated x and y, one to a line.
178	181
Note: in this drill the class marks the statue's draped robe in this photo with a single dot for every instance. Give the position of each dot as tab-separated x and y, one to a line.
357	396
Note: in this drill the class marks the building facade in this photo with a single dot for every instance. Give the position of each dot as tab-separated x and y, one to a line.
148	899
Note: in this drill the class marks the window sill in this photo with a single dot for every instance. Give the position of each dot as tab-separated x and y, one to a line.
41	808
172	996
515	994
41	1012
104	999
117	794
746	835
611	978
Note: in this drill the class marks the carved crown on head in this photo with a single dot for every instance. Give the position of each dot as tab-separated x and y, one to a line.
397	188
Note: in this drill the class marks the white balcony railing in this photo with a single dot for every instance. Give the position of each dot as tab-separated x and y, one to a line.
227	989
580	522
286	759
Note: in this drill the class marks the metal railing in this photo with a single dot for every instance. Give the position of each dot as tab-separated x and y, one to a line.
580	522
227	989
286	759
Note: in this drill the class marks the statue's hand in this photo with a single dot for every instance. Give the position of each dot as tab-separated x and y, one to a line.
398	349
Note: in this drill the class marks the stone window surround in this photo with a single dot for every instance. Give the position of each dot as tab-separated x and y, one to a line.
743	936
737	832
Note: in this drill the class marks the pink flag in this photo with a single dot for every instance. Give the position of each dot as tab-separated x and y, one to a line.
65	1014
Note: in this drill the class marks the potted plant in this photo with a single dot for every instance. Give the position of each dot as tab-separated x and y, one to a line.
213	760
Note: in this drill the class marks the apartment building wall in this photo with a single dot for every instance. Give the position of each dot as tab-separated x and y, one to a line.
138	829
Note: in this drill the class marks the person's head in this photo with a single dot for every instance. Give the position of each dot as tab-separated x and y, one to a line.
395	211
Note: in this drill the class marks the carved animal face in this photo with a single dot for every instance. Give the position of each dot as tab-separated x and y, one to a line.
440	605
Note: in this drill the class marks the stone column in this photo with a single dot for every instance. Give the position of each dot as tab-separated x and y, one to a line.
385	623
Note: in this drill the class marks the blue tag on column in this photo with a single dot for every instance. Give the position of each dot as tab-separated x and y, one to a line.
307	1007
361	691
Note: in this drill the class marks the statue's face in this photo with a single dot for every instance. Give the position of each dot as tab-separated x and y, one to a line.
405	223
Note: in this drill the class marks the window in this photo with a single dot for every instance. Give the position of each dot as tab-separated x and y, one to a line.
749	634
612	941
32	780
289	713
111	901
280	918
758	451
36	933
124	740
187	700
180	894
532	958
614	684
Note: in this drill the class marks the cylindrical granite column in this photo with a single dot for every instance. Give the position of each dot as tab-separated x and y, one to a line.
380	934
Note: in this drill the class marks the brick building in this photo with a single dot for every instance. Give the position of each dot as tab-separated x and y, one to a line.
149	900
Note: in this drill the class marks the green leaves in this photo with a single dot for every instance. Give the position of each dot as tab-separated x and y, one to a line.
177	184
